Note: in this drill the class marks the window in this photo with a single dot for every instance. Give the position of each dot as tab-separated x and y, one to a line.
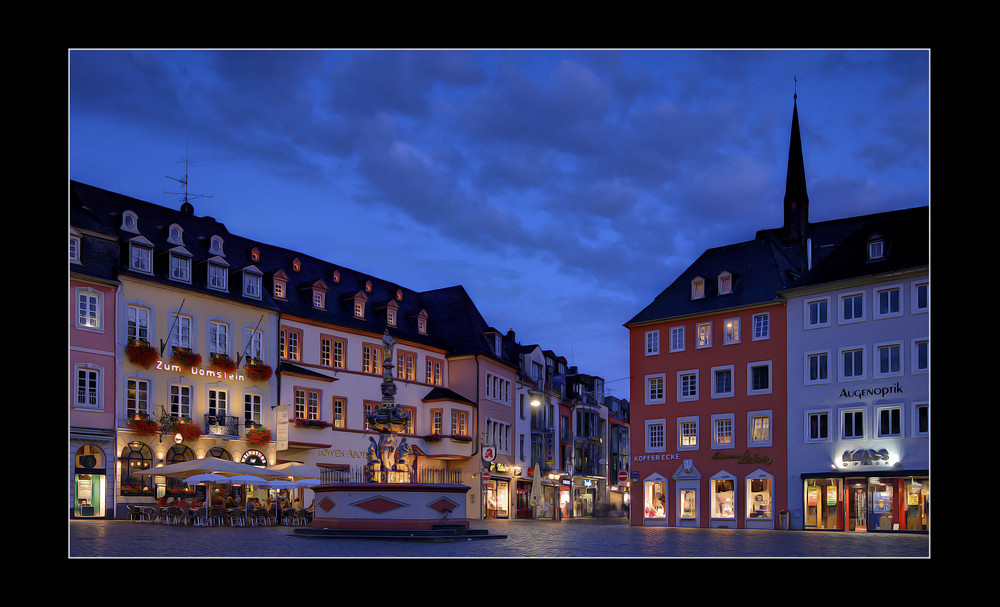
817	426
921	360
359	308
655	389
319	298
876	248
306	404
921	419
889	359
725	283
676	339
331	352
759	378
759	499
339	412
817	368
722	496
761	326
288	344
88	309
140	257
497	388
852	307
688	501
252	408
422	325
437	421
852	363
218	337
137	323
254	341
217	277
180	400
74	248
887	303
434	372
218	404
852	424
181	330
180	267
759	429
817	313
459	423
390	317
921	303
652	342
890	421
656	435
687	433
722	431
406	366
654	498
280	285
136	397
697	288
372	358
687	385
215	248
251	284
703	333
88	387
731	331
722	382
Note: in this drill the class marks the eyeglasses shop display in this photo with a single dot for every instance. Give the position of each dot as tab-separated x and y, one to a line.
868	503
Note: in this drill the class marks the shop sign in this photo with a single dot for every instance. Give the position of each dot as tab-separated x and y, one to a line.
499	467
744	458
172	368
861	393
865	457
657	457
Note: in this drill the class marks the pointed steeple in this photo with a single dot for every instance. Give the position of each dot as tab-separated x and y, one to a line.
796	198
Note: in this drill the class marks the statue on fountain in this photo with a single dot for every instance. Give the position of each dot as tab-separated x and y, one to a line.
385	456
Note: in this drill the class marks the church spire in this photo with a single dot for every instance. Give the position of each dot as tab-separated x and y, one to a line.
796	199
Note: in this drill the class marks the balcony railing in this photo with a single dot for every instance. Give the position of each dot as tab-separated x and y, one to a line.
222	425
424	476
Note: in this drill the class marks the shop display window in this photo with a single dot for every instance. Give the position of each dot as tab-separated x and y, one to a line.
822	503
723	497
655	499
689	504
759	498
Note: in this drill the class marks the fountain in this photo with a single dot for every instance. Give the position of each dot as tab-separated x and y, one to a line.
389	504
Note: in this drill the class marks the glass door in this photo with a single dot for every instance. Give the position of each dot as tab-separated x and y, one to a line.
857	504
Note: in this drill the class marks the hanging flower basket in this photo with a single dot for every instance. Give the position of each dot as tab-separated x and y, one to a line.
222	362
184	357
144	427
141	353
258	436
188	431
258	371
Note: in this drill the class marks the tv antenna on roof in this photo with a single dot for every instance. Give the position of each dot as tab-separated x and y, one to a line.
185	195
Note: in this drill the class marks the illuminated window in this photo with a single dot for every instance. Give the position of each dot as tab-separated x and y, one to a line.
655	389
434	372
687	433
371	359
703	335
722	431
697	288
654	498
759	498
731	333
759	428
406	366
88	309
722	496
339	412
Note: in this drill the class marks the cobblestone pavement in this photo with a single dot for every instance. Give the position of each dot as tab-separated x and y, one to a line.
524	539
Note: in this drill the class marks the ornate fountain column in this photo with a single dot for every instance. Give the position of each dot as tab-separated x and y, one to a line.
388	461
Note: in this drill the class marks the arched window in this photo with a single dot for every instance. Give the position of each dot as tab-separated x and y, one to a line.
135	457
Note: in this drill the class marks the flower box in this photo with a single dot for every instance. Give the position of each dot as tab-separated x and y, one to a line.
141	353
461	438
143	427
432	438
258	371
188	431
310	423
222	362
184	357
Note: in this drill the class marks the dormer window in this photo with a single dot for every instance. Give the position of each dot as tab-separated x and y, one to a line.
876	247
368	286
697	287
130	222
319	295
280	285
218	275
180	265
255	255
251	282
359	304
725	283
296	265
215	248
74	246
175	234
140	255
390	313
399	295
336	277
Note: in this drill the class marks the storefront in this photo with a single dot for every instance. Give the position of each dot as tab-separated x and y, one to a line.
89	491
496	498
724	500
899	501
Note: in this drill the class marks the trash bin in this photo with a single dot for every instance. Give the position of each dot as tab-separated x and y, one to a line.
783	519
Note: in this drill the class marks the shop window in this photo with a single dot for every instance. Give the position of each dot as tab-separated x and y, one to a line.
722	494
135	457
759	496
688	504
654	498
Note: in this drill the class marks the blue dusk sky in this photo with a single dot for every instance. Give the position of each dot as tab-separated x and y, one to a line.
564	189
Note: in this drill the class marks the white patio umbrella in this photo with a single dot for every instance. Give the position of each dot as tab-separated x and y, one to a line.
297	470
536	489
209	478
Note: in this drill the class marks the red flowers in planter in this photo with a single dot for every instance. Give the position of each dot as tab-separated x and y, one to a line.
257	436
143	427
184	357
141	353
222	362
188	431
310	423
258	371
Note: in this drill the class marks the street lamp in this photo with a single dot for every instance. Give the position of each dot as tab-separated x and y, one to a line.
534	398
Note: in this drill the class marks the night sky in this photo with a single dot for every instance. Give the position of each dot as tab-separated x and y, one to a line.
564	189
